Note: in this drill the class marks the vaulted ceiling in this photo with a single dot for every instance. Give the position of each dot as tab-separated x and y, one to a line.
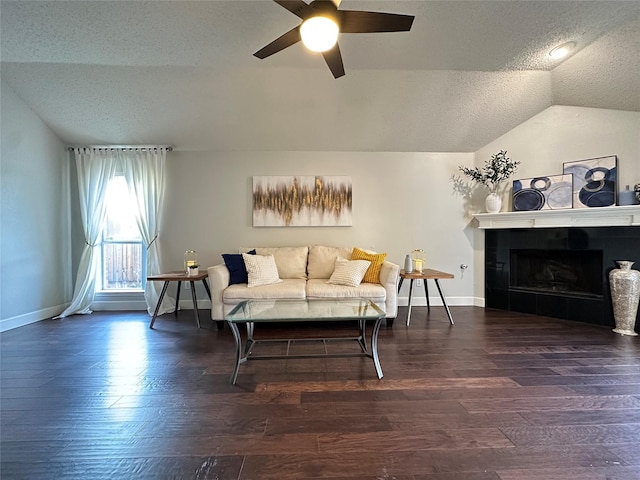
183	73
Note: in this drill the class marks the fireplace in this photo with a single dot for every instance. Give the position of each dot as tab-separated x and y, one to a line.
558	272
562	272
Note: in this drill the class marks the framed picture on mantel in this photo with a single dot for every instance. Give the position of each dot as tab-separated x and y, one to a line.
542	193
594	181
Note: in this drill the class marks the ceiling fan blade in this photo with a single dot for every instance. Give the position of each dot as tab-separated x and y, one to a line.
280	43
353	21
334	61
297	7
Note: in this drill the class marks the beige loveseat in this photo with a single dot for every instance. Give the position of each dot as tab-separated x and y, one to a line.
304	273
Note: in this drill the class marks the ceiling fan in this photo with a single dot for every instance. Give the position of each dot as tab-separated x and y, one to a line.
324	15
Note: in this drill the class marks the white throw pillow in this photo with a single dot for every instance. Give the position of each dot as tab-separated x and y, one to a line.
349	272
261	269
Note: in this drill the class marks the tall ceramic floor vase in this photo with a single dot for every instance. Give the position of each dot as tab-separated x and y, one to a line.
493	203
625	294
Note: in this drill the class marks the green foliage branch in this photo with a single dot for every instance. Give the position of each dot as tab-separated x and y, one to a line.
495	171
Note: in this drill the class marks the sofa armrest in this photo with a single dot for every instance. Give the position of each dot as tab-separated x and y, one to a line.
218	281
389	277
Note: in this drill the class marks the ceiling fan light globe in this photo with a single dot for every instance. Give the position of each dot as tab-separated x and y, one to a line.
319	33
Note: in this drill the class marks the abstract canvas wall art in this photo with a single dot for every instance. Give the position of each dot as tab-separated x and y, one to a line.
302	201
542	193
594	181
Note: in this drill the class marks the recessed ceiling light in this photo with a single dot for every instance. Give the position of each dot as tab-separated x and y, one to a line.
563	50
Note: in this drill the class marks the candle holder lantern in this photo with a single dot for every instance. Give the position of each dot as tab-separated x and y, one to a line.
419	260
190	260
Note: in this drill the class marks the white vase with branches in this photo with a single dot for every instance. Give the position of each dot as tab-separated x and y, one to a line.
492	175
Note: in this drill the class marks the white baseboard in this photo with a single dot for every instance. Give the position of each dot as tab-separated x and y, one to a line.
437	301
31	317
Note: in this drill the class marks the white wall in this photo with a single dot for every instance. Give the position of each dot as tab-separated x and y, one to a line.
34	245
560	134
401	201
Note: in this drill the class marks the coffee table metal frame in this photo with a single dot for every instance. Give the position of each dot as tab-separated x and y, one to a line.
252	312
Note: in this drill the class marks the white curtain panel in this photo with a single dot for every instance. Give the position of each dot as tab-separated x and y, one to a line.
95	169
144	171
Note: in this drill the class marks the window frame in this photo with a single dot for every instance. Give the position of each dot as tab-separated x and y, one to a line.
104	241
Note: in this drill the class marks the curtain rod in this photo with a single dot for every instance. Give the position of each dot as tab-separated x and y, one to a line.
107	147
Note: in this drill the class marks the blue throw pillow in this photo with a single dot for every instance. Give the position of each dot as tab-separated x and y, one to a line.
235	265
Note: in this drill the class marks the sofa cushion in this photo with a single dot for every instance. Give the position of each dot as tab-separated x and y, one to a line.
261	270
320	289
322	260
348	272
291	261
373	272
287	289
236	267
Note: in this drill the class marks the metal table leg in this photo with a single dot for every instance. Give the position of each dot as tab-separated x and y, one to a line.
155	313
374	348
195	302
238	339
426	294
175	312
410	301
444	301
362	336
250	341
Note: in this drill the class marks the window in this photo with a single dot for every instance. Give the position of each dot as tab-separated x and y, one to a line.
124	257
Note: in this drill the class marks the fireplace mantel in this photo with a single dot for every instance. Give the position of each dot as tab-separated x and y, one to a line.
571	217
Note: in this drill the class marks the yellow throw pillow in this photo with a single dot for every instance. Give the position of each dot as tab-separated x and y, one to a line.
376	259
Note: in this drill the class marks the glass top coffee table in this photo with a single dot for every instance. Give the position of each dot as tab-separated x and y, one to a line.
252	312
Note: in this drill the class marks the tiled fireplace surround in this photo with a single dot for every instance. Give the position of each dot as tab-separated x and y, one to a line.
566	240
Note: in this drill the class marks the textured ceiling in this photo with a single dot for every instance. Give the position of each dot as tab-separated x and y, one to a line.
182	73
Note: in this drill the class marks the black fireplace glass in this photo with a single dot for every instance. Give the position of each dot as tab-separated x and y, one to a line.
570	272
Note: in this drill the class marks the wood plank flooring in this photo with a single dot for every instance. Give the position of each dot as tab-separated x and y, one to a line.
497	396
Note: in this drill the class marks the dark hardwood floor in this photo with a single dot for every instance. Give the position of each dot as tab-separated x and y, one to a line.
496	396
